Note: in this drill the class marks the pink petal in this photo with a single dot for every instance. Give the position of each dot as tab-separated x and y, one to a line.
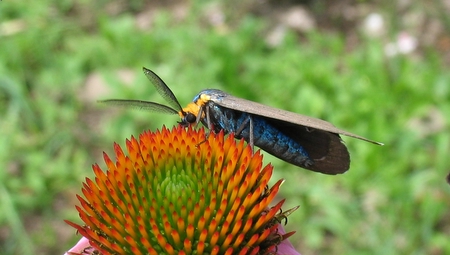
285	247
80	247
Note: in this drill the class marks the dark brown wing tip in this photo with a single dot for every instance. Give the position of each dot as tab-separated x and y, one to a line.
329	169
336	161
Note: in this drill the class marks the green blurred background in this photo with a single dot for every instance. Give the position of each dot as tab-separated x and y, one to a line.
375	68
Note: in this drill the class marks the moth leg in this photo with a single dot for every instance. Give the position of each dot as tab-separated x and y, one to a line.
208	123
251	132
199	117
247	121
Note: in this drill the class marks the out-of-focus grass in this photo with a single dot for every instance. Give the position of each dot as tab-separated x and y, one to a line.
394	200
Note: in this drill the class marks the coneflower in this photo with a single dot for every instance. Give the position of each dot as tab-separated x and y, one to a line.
181	192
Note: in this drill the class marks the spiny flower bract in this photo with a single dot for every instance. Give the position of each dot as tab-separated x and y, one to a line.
180	191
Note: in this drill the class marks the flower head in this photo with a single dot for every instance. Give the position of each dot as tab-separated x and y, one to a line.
177	192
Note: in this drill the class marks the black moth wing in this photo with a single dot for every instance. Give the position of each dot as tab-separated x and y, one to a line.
326	149
319	138
226	100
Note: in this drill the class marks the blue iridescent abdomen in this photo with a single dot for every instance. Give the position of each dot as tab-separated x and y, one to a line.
265	136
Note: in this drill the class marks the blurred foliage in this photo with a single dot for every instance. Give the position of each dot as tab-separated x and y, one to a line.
394	200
